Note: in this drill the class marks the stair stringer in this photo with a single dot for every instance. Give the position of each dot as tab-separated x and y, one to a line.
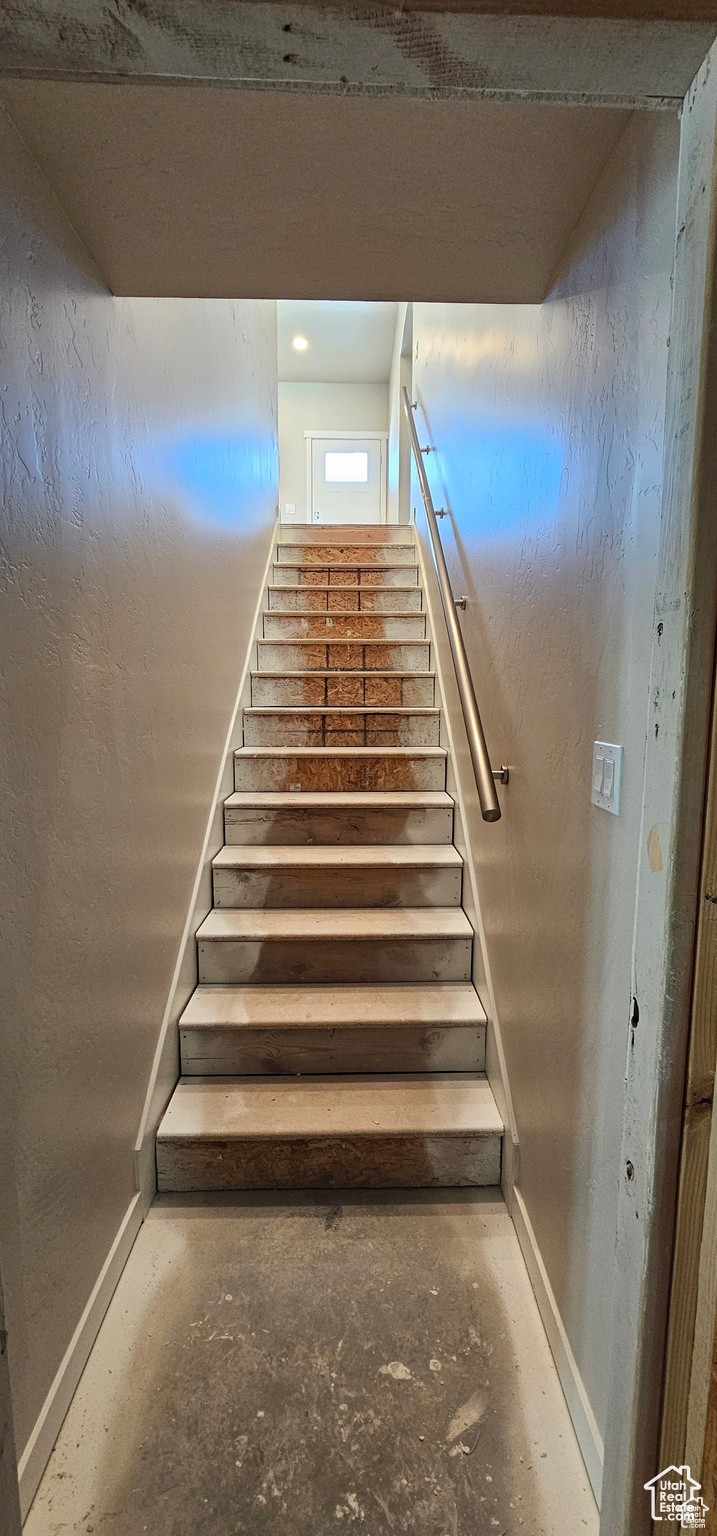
460	783
165	1071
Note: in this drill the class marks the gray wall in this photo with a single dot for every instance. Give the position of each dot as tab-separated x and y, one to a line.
139	487
335	407
549	427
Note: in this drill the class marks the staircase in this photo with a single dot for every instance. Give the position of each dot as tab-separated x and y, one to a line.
335	1038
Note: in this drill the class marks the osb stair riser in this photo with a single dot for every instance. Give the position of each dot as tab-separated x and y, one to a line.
384	690
340	768
370	577
328	599
335	1039
351	553
362	654
343	727
344	626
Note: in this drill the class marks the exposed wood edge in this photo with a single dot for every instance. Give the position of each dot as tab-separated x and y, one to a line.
165	1067
37	1452
446	50
701	1455
682	11
695	1151
10	1519
583	1419
461	784
618	101
677	729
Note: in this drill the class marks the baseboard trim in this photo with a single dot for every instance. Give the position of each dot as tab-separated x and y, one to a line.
39	1447
584	1423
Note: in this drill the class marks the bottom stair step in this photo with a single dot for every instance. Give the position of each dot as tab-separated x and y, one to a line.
410	1131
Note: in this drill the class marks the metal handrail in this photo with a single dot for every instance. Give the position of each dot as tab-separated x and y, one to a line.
484	774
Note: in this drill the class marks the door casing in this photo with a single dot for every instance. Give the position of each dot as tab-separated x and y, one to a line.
370	434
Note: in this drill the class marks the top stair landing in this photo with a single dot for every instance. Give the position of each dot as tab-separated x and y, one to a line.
359	533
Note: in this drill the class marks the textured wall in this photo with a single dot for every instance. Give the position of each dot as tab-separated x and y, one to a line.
549	426
336	407
139	485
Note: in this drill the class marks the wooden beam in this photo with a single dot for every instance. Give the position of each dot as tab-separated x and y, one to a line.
9	1493
581	10
701	1439
695	1152
432	48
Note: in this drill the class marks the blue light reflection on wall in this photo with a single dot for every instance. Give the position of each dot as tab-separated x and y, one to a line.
223	479
498	477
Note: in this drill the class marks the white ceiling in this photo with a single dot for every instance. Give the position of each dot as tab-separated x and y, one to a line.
199	191
349	342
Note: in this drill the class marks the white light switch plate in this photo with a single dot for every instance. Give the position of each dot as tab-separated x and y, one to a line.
607	776
290	509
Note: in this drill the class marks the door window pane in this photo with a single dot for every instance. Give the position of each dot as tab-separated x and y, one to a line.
346	468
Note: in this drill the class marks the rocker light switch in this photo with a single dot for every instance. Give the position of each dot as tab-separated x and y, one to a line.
598	774
607	775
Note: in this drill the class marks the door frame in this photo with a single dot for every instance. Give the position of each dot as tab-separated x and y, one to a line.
372	434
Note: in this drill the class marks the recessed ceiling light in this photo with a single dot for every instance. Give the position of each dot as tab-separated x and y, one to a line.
300	344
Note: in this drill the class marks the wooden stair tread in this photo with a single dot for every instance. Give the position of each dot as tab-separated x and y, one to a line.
342	709
345	799
360	752
415	1004
328	856
329	614
226	1108
344	543
342	639
336	673
334	923
298	563
348	586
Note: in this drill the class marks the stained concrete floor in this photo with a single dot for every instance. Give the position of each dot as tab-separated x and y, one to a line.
309	1364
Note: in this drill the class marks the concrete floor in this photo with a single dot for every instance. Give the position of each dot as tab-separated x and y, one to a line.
306	1364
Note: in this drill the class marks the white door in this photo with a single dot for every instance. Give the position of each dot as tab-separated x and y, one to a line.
347	479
